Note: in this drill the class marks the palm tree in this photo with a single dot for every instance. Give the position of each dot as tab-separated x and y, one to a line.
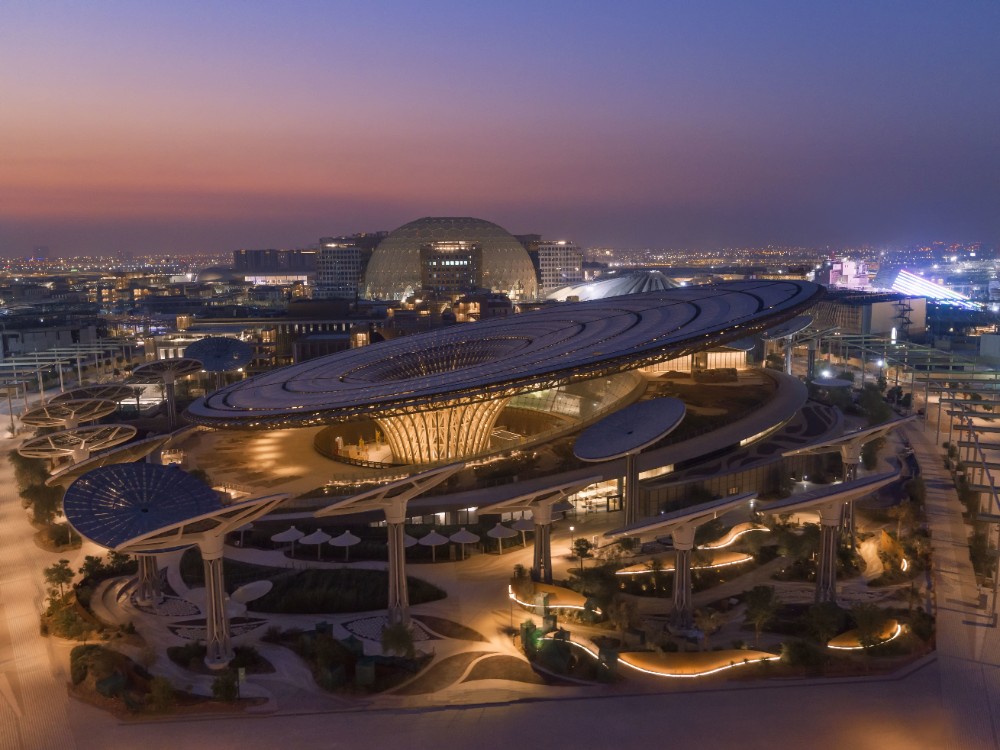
904	514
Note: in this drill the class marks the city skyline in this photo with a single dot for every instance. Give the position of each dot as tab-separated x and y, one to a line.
198	129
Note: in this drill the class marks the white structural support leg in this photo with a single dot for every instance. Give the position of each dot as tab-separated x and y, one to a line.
541	569
218	644
683	544
148	590
826	576
788	355
399	597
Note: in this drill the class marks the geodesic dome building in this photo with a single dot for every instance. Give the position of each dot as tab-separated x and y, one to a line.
394	269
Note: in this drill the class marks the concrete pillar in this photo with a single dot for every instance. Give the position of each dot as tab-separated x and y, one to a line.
683	544
811	361
788	355
218	643
148	590
826	575
541	569
631	496
399	597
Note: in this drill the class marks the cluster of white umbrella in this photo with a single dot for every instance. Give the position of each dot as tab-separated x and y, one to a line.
433	540
318	537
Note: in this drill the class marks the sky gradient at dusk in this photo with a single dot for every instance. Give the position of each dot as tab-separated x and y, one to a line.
191	126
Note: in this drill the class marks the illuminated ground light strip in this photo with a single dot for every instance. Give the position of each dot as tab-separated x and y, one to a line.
894	636
512	595
731	541
713	566
655	673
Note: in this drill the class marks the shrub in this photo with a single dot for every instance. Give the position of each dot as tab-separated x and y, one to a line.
803	654
226	687
161	694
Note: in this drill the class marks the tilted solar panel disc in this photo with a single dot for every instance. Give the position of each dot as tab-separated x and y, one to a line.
220	353
112	505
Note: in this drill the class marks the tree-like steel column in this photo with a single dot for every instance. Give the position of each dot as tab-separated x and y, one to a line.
399	597
683	544
148	590
218	643
826	576
541	569
788	355
442	434
850	457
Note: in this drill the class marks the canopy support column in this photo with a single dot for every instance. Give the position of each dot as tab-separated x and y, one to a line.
148	591
683	544
218	643
826	576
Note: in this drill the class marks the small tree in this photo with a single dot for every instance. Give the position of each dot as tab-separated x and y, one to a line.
622	613
708	621
582	548
870	621
59	575
762	605
226	686
161	694
92	567
398	639
904	515
825	620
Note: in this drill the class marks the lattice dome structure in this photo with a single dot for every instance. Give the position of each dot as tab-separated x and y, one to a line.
394	269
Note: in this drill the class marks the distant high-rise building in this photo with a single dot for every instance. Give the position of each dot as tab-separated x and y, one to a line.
451	267
274	260
559	264
338	269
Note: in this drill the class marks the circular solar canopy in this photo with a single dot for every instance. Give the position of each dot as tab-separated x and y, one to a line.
64	412
498	358
220	353
629	430
109	391
67	442
121	454
174	366
115	504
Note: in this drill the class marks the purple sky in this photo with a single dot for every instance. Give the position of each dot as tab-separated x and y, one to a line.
208	126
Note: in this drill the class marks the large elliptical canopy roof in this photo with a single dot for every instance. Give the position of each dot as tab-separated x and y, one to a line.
395	265
492	359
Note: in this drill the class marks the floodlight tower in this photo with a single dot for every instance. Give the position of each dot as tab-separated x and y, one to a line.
150	508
